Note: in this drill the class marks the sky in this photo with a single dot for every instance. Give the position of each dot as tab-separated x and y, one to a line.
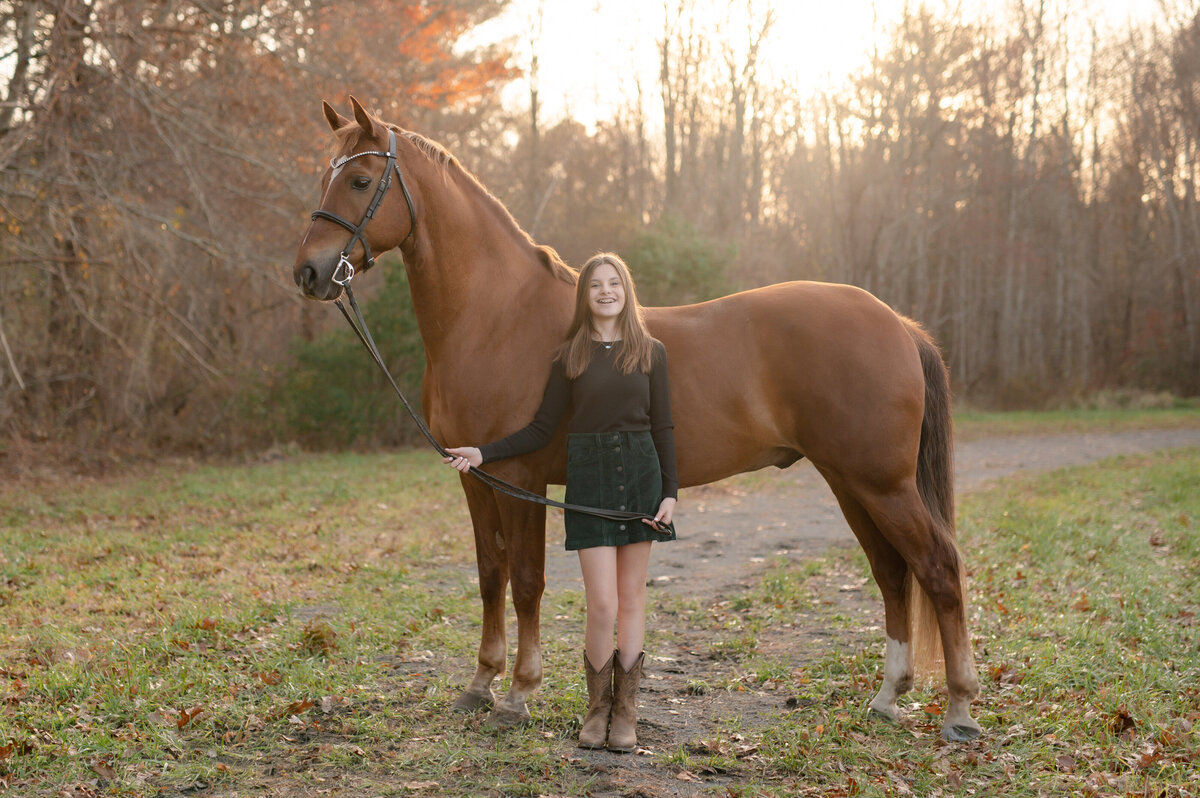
593	53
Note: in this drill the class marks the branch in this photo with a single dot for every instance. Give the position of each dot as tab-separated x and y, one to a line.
12	363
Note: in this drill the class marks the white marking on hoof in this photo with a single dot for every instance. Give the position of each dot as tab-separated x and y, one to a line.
960	726
897	680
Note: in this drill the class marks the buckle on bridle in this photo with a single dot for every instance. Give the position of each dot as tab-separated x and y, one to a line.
344	264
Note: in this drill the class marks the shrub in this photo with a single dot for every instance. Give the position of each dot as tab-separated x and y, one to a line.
676	264
333	395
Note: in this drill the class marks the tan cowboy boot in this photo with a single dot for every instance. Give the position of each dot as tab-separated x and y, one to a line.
622	730
600	699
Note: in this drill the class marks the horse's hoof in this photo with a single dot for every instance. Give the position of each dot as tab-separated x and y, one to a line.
470	703
961	733
503	717
880	714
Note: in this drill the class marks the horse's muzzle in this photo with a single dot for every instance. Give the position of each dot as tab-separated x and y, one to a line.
313	284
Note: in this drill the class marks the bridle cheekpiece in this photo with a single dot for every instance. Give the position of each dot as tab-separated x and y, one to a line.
385	181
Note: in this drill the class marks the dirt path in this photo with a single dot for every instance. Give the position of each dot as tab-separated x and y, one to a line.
728	537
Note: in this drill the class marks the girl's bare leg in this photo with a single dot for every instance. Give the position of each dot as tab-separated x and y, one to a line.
599	567
632	565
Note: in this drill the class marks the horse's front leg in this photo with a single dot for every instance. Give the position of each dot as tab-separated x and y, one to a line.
524	527
493	583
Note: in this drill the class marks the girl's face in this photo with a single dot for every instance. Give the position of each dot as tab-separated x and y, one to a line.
606	292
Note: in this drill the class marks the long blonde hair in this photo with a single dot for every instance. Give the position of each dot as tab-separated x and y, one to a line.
637	347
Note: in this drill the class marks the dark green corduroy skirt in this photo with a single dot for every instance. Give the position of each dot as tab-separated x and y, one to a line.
612	471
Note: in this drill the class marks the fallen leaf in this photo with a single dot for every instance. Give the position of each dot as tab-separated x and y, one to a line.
296	707
19	748
932	709
1123	724
163	716
186	716
686	775
900	785
1150	756
717	746
1065	763
1082	604
103	770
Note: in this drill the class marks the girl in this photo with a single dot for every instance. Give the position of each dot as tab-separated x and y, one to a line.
621	456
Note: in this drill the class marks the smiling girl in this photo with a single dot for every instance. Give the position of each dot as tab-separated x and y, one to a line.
620	456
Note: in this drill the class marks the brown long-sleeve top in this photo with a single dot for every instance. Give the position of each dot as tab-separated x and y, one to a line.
602	399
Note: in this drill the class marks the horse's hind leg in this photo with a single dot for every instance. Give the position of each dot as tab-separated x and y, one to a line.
890	572
933	558
493	584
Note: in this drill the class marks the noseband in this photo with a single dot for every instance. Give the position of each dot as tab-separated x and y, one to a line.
385	182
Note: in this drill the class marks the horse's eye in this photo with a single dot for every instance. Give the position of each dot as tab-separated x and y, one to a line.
361	183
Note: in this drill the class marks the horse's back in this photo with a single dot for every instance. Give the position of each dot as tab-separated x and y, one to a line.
765	376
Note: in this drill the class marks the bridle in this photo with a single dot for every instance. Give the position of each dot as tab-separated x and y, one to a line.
364	334
356	230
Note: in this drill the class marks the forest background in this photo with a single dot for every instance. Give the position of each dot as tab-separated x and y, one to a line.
1025	186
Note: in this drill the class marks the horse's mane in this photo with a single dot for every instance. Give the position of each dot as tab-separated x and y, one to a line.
350	135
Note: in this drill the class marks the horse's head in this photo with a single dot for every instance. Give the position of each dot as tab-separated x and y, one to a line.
359	217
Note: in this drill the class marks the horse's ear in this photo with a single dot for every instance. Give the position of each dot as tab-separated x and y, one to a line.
362	117
335	120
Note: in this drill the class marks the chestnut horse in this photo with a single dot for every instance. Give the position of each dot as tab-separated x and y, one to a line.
760	378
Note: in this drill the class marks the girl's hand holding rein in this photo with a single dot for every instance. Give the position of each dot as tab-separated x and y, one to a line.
666	512
463	457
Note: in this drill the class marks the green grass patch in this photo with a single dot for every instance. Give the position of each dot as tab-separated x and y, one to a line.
178	626
1176	414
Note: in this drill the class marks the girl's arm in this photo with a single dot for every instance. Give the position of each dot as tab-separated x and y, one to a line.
529	438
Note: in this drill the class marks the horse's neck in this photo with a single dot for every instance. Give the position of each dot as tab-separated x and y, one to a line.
476	279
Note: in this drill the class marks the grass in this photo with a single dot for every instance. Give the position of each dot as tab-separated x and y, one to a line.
159	625
1103	416
303	626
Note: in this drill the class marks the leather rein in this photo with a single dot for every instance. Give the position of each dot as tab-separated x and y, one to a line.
364	334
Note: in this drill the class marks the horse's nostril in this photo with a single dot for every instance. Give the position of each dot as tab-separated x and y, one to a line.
307	278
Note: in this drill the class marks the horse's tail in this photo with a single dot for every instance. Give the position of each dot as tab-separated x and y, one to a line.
935	483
